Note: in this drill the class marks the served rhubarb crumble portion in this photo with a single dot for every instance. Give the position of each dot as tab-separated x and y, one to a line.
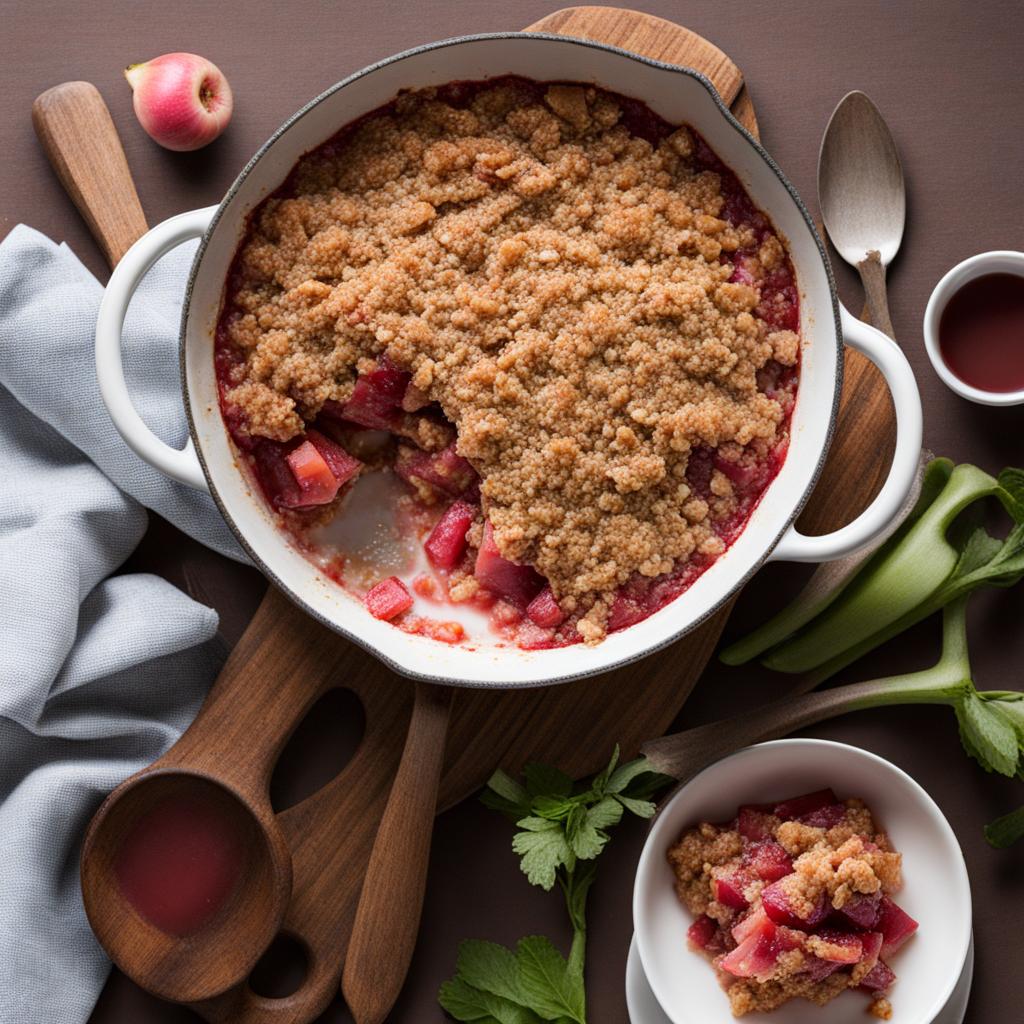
562	305
794	900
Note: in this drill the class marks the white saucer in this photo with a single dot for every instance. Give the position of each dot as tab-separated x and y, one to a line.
645	1009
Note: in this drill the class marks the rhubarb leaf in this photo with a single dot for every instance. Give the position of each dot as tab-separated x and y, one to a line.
988	737
553	989
1005	831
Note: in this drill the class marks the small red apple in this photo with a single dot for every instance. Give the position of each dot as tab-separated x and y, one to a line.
182	100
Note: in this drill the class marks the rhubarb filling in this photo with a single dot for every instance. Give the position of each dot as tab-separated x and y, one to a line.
794	900
555	321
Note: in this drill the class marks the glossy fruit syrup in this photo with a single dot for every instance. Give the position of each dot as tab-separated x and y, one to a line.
981	333
181	861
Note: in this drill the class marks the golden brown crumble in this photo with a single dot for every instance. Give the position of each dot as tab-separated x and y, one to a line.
558	285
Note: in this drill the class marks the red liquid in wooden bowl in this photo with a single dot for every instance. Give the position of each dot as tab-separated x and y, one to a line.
981	333
181	861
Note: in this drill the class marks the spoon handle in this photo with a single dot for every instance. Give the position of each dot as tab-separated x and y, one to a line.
387	919
872	275
81	142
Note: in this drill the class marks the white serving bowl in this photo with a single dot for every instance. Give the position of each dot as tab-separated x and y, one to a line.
936	890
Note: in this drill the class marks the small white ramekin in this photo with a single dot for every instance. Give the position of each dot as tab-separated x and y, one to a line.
936	889
999	261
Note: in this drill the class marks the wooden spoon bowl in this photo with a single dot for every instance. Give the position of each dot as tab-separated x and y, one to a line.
184	882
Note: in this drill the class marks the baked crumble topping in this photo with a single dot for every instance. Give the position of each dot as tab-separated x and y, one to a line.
793	900
588	303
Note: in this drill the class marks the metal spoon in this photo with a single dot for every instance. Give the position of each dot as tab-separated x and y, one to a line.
862	196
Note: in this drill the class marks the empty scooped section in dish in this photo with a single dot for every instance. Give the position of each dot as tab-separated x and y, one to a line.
372	536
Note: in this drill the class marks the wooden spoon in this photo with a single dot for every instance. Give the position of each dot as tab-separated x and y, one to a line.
81	142
862	196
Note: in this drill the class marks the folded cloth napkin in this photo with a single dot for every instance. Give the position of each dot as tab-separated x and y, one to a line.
98	675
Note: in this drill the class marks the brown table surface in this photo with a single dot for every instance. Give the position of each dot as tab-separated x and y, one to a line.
947	77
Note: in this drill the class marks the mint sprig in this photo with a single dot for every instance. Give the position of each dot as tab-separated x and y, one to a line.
562	828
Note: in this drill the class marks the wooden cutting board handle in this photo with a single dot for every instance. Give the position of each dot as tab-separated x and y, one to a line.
76	131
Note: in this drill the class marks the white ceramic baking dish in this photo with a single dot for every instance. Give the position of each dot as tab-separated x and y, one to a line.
677	94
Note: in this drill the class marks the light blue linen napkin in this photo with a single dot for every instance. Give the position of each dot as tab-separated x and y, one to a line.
98	675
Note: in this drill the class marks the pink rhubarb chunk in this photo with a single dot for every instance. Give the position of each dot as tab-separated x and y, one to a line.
317	484
755	822
345	467
879	979
845	947
768	860
319	468
861	911
447	541
728	889
895	925
779	908
702	931
376	400
798	806
871	947
275	476
388	598
445	471
517	584
758	953
543	610
825	817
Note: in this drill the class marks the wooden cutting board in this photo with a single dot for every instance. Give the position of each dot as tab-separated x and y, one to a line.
284	652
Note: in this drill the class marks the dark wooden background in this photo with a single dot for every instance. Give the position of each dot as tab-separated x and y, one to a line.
947	76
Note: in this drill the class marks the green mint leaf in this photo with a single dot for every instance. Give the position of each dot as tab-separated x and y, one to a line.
987	736
543	853
641	808
466	1003
1012	482
543	780
1005	831
491	967
554	990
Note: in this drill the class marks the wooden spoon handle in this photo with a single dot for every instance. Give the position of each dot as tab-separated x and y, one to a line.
388	916
283	663
81	142
872	276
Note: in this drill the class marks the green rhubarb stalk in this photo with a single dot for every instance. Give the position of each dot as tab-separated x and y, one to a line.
896	587
683	754
830	579
991	723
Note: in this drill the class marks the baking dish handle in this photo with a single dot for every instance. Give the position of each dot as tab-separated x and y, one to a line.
890	360
181	465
